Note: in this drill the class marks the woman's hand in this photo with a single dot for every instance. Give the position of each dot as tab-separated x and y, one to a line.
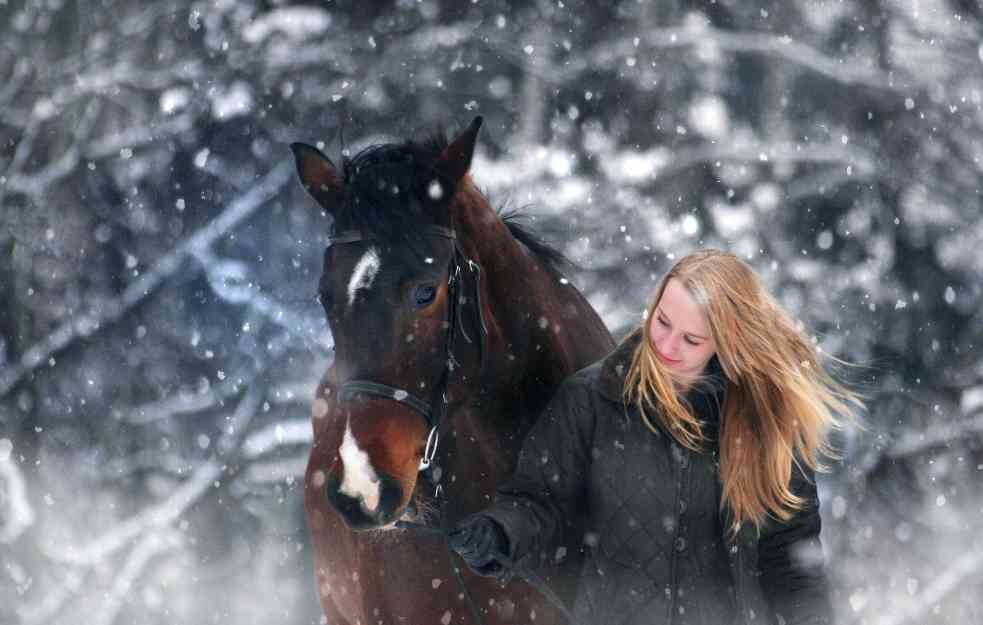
482	543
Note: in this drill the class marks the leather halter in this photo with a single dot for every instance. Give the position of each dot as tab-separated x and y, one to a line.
435	410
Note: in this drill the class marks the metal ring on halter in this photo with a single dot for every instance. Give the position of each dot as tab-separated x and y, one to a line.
429	451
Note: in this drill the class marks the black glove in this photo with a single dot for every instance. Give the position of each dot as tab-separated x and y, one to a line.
481	541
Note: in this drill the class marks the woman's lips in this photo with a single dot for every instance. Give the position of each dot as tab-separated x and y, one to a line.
668	361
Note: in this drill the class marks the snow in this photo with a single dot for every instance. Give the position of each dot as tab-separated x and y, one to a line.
294	23
971	401
16	513
731	220
234	101
173	100
156	397
709	117
632	166
265	440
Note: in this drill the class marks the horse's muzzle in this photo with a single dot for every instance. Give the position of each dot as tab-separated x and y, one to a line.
353	511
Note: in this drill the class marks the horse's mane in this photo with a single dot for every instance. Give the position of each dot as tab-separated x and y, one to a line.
383	179
552	258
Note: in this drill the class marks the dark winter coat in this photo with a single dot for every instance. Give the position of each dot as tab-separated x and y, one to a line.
650	509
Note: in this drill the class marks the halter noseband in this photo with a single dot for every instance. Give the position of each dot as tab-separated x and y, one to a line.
435	410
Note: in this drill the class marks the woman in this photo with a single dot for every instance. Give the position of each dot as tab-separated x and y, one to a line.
689	453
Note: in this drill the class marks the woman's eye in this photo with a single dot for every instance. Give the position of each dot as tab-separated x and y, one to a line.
691	341
662	321
423	295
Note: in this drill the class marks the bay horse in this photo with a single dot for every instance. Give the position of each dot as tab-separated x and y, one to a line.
453	327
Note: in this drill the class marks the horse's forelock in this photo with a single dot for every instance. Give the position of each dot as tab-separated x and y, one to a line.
388	188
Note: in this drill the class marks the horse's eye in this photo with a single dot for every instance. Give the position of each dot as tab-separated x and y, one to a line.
424	294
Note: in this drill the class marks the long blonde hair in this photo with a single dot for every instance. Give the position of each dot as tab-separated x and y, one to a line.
779	403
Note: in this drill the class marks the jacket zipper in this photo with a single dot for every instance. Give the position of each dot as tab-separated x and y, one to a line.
675	454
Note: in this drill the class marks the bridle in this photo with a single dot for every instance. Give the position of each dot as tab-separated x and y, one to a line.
434	411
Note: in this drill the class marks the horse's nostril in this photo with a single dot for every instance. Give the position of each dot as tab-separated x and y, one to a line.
354	511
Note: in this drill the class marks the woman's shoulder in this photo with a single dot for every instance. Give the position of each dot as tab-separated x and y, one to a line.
580	385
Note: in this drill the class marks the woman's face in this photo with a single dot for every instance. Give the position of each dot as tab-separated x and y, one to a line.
679	332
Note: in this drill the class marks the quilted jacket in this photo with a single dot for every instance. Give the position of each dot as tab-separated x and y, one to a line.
654	546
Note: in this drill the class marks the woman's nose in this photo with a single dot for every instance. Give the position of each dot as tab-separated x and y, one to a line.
668	345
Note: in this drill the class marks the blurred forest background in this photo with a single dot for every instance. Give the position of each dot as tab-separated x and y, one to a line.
160	339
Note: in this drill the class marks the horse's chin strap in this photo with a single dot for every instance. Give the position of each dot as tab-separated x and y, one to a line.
434	411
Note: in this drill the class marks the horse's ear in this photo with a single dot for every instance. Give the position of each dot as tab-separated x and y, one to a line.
319	176
455	160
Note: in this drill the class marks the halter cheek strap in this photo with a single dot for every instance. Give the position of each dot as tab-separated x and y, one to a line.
435	410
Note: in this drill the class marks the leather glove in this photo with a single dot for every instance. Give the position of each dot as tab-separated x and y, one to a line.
480	541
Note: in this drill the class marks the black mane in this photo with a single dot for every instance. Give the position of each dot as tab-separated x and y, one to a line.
389	191
552	258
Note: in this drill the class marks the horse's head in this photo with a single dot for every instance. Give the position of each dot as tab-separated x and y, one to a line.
401	300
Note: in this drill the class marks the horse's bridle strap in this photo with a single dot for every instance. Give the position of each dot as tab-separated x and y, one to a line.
352	236
353	388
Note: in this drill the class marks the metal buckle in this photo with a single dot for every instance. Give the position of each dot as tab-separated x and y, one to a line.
430	450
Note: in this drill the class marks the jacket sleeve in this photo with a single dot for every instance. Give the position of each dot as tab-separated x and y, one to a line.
790	558
541	501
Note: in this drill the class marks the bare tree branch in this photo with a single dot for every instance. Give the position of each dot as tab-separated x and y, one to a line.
939	436
143	552
265	440
781	47
111	311
964	570
153	517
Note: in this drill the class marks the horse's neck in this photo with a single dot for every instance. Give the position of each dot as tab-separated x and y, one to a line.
539	331
545	329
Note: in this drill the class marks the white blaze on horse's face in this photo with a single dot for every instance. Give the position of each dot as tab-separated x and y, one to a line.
360	478
365	270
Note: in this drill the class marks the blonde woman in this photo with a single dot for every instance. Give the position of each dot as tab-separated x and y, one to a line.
689	454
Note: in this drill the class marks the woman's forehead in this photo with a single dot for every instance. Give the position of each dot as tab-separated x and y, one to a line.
679	305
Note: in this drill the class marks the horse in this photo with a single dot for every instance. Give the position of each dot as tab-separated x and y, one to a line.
453	327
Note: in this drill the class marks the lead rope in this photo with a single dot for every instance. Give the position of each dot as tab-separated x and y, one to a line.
475	612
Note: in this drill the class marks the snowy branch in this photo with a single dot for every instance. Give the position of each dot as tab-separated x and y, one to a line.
228	279
154	517
86	324
188	402
964	571
610	54
52	601
183	497
939	436
859	161
847	71
143	552
16	513
272	472
137	136
631	166
263	441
